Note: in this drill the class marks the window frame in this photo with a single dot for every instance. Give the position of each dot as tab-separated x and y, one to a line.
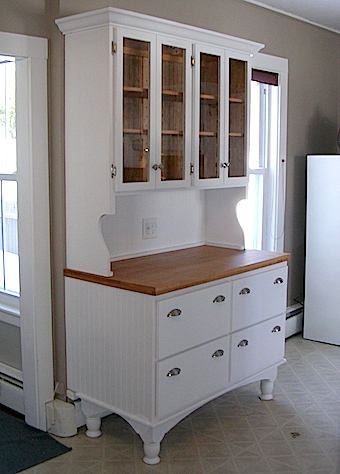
33	223
277	65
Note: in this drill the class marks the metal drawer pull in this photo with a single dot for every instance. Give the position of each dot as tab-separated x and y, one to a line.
174	312
243	343
173	372
245	291
278	281
219	299
218	353
276	329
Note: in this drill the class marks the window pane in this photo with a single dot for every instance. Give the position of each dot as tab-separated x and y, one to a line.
8	158
9	231
254	137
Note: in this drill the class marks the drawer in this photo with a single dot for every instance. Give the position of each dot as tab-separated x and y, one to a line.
187	378
256	348
193	318
259	297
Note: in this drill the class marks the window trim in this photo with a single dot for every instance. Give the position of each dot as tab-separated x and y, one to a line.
278	65
34	224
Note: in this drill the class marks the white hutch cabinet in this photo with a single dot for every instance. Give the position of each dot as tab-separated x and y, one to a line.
153	104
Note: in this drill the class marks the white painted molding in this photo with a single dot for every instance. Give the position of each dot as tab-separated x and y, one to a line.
34	223
117	17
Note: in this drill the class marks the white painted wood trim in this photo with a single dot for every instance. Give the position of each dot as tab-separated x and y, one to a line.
118	17
280	66
34	224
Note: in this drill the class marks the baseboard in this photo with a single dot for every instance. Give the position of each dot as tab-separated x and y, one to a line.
294	320
12	396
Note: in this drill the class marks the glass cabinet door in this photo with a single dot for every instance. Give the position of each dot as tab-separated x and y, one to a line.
136	110
237	118
209	116
173	113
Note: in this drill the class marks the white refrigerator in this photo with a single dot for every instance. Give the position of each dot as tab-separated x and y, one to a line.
322	272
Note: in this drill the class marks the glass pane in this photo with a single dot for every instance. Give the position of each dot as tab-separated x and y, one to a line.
173	113
9	240
209	116
8	157
255	119
237	117
136	117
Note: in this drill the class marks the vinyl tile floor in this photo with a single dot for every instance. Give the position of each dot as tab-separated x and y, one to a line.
297	432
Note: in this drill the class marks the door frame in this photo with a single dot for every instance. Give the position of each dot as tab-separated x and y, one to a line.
33	223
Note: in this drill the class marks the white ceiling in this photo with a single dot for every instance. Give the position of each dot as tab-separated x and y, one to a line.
324	13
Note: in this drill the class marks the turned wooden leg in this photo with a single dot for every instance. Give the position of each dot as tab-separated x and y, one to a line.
93	415
151	451
267	390
93	427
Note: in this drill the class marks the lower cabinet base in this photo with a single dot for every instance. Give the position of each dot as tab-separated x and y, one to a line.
152	433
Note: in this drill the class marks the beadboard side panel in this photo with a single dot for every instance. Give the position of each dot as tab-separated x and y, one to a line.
110	346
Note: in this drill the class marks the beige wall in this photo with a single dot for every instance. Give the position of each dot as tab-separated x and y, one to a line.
313	107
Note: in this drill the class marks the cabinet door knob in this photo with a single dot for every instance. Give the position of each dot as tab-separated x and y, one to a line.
174	312
158	167
219	299
174	372
243	343
278	281
218	353
276	329
244	291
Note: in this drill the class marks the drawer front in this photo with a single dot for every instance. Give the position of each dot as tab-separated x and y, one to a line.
257	348
259	297
187	378
194	318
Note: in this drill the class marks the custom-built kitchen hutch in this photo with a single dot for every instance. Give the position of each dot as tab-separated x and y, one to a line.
165	310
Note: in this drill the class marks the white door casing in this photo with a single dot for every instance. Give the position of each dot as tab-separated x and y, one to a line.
33	222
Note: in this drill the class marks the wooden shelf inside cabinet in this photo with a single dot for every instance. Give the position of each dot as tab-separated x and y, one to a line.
209	97
172	132
236	100
172	95
208	134
137	92
236	134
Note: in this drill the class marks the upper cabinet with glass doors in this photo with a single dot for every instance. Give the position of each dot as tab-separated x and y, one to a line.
221	112
168	102
154	98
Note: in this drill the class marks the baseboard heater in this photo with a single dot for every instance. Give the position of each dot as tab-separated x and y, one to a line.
11	389
294	319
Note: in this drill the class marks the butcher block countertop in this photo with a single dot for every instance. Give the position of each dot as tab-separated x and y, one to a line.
161	273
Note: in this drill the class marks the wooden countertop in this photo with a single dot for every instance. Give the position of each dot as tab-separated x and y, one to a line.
161	273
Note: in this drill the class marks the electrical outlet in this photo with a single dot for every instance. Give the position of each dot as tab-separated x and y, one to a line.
149	228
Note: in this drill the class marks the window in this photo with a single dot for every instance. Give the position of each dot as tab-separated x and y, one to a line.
262	214
9	259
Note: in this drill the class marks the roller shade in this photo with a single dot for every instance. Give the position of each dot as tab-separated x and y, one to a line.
271	78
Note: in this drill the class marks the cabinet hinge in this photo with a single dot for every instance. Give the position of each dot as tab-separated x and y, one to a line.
191	168
192	61
113	48
113	171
